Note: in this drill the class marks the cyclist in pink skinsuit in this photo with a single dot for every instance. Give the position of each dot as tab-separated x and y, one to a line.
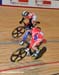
37	38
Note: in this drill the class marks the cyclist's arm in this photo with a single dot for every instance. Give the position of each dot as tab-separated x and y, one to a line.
21	20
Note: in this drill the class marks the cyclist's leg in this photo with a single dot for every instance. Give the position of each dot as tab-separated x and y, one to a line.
25	37
34	46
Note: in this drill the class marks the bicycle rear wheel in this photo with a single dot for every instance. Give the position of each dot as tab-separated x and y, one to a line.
18	32
42	51
18	55
40	54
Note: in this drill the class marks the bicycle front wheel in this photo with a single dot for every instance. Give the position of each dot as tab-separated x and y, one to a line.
18	55
18	32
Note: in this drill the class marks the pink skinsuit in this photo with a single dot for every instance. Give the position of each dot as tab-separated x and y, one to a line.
37	37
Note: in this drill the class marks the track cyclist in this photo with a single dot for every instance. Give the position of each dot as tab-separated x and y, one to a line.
37	36
31	17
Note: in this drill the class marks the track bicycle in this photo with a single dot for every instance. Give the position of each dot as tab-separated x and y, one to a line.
20	53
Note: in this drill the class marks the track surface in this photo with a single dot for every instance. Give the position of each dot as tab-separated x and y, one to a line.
48	64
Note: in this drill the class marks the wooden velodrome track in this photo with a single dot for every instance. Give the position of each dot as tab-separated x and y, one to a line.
48	64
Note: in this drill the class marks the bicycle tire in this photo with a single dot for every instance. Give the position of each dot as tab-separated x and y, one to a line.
15	57
42	51
18	32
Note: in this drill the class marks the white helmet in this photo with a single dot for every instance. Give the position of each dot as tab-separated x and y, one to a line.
25	13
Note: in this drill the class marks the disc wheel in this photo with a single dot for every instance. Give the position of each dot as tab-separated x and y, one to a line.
40	54
18	32
18	55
